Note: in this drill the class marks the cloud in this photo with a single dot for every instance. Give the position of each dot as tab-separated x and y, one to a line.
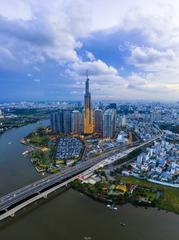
105	81
90	56
43	33
152	59
6	53
7	58
16	9
36	80
47	40
96	67
37	69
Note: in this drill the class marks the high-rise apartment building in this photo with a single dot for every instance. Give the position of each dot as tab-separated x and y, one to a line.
66	121
98	121
76	122
123	121
61	121
109	123
1	114
56	120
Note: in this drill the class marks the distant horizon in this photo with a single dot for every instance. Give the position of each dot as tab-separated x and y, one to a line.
93	101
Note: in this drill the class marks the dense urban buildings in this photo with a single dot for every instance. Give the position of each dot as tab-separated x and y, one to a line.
74	122
158	163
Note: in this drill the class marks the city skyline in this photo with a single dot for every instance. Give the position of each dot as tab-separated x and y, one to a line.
130	50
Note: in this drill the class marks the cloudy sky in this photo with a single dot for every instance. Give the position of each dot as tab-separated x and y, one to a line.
130	48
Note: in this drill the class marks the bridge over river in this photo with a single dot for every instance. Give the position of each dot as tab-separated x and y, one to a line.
14	201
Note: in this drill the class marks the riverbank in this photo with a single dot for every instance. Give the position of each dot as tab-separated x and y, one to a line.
169	200
135	191
42	145
19	117
6	126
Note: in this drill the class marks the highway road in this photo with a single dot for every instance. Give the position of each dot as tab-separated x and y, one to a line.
14	198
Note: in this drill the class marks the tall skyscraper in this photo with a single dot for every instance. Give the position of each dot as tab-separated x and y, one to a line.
123	121
56	120
98	121
76	122
88	112
1	114
109	123
66	121
61	121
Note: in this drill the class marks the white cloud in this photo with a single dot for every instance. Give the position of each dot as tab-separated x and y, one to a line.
15	9
7	58
29	75
36	29
36	80
105	81
90	56
6	53
107	14
152	59
37	69
96	67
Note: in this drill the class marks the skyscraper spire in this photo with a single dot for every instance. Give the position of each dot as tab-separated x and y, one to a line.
87	83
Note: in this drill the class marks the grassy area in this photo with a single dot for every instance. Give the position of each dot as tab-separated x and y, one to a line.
38	138
169	199
22	117
31	113
43	155
8	123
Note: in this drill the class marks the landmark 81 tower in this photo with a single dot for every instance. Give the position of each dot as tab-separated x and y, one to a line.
88	112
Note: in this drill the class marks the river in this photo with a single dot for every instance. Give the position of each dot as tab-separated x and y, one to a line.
71	215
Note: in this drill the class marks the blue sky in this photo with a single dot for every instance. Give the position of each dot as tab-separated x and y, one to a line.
130	48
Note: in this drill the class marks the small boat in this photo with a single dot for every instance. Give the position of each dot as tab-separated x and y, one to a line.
109	206
25	152
9	143
122	224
